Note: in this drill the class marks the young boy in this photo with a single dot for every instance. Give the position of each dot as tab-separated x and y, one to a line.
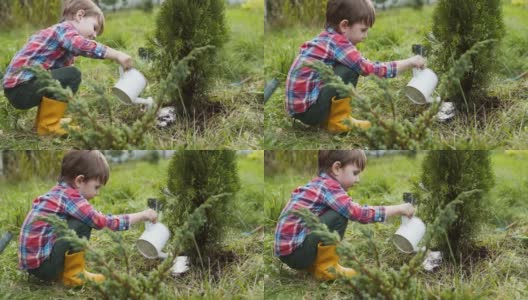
326	197
55	48
83	172
347	24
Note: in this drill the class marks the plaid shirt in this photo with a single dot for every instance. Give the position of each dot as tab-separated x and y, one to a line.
319	195
52	48
303	84
37	238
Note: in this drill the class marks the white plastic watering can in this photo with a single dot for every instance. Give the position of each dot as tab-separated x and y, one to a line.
153	239
131	83
411	230
420	89
409	234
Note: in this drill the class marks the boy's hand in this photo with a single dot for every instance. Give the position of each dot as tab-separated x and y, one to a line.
407	210
417	61
150	215
124	60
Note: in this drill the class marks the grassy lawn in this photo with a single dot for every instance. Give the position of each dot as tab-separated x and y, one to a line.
127	191
501	275
389	39
238	87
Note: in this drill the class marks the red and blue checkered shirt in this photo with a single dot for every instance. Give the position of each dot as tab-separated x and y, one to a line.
319	195
37	238
303	84
52	48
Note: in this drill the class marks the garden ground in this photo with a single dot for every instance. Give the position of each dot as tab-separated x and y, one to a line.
238	87
501	274
389	39
127	191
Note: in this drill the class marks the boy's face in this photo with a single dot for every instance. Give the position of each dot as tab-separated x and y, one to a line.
88	188
88	27
347	176
355	33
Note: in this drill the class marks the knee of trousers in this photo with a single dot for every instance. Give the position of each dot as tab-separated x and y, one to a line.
79	227
76	78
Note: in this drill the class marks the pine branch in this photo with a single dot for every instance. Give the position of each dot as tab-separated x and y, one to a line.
395	133
130	284
382	280
97	133
115	133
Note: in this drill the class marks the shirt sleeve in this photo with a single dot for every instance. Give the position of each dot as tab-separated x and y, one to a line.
79	208
337	199
72	41
347	54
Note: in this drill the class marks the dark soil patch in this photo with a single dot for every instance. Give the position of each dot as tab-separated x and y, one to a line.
488	104
215	263
475	256
199	116
480	111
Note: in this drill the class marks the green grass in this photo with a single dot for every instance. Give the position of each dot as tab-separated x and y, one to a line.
390	39
502	275
238	87
127	191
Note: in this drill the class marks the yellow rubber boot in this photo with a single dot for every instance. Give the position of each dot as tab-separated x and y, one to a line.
62	120
325	260
340	120
74	265
49	116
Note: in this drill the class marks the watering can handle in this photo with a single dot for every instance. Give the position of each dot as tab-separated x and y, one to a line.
148	224
408	198
415	72
121	72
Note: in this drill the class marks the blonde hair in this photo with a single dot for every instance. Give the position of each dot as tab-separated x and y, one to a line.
71	7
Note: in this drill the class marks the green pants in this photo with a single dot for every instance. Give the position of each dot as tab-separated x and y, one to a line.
52	267
318	112
27	95
304	255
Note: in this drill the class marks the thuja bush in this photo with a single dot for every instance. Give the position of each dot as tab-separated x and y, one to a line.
26	165
282	161
418	4
446	175
305	11
182	26
15	13
90	131
379	280
123	279
272	10
457	26
5	9
286	12
193	177
391	131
